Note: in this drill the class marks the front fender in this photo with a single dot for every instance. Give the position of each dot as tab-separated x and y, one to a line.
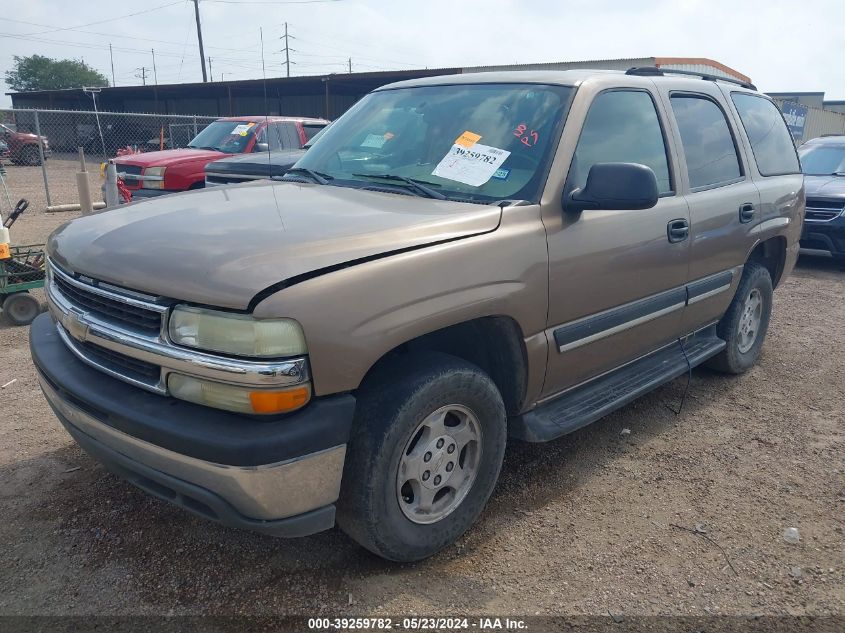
354	316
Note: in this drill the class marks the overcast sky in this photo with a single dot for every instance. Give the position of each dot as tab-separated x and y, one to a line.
782	45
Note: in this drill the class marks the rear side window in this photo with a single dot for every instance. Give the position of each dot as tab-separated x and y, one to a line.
708	143
622	126
770	140
311	129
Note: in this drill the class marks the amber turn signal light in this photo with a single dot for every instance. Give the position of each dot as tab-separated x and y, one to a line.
279	401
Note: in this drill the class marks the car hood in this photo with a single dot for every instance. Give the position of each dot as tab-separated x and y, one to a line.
169	157
222	246
824	186
263	163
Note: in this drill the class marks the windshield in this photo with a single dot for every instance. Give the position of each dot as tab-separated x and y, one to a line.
479	142
230	137
823	160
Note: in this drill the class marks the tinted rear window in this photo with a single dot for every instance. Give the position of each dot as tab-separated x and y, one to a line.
708	143
770	139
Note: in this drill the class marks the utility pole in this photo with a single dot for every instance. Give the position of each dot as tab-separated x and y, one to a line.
350	65
155	72
287	50
210	74
111	57
199	37
142	75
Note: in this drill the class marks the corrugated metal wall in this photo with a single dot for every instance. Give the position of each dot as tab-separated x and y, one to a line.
699	68
820	122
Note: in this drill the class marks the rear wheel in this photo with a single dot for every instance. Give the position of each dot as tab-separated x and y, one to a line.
746	321
21	308
427	446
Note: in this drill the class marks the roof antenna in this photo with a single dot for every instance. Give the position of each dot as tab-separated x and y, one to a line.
264	83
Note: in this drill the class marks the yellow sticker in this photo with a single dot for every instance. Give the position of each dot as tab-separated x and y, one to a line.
468	139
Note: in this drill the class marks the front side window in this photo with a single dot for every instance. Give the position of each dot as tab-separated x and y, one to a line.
473	142
708	143
622	126
230	137
823	160
770	139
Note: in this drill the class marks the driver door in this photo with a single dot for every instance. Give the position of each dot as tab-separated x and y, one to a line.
616	278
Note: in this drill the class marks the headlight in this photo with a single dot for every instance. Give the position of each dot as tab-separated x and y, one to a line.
238	399
236	334
154	184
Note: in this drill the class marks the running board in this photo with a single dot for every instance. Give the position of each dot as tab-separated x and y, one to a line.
582	405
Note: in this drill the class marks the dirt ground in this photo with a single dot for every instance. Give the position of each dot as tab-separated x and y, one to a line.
596	522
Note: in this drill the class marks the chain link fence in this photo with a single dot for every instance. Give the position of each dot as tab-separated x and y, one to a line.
102	135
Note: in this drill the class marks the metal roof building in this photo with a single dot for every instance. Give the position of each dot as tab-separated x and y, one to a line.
325	96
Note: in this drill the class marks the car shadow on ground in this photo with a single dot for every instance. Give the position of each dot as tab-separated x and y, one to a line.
93	522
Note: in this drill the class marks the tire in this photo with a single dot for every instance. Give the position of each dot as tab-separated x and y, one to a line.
375	508
29	156
736	326
21	308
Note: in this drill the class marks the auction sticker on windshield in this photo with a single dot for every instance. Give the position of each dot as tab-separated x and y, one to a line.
472	166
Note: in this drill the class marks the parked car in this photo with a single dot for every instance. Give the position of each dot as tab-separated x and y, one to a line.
4	151
23	146
256	166
462	259
823	163
151	174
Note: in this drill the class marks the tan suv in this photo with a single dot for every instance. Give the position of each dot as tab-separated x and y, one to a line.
457	260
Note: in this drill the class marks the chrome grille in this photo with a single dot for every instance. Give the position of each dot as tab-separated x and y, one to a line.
115	311
129	171
123	334
821	210
133	367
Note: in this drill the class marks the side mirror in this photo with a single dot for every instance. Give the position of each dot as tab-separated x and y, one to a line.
261	147
614	186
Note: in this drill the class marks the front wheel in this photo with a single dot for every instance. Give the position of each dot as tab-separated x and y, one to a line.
428	441
746	321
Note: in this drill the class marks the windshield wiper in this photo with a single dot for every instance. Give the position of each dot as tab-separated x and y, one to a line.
318	177
420	186
213	149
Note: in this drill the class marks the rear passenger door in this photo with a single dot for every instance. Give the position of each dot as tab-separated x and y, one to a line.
616	278
723	200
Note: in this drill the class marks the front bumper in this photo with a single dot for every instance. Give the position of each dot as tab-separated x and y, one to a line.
824	238
279	476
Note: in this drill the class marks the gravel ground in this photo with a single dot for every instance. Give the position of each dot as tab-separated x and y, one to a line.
600	521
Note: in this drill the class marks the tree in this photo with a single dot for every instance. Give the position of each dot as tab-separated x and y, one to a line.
42	73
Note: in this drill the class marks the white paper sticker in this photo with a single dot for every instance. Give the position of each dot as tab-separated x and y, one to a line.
472	166
374	140
241	129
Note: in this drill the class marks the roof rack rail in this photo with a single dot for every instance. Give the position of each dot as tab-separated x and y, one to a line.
654	71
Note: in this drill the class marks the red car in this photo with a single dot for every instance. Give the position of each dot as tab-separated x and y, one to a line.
182	169
23	146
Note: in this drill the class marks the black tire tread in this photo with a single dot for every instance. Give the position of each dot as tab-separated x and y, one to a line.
731	360
392	391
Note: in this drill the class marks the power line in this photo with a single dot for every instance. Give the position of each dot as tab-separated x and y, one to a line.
122	36
120	17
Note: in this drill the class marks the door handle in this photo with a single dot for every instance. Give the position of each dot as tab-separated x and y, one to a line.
746	212
677	231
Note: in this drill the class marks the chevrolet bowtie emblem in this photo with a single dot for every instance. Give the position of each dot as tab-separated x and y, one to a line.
76	326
